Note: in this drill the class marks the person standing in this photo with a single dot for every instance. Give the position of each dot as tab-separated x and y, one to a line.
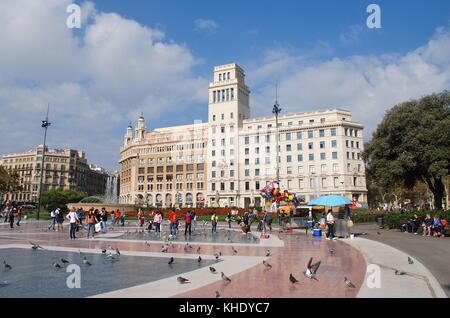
104	220
80	215
214	220
7	212
141	218
157	222
117	216
188	223
59	219
173	223
122	217
113	218
194	220
330	223
229	219
267	221
53	218
91	223
73	219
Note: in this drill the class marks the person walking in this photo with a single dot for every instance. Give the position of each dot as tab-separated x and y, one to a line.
19	216
113	218
11	217
330	223
91	223
53	218
214	220
7	211
117	217
59	219
73	219
267	220
188	223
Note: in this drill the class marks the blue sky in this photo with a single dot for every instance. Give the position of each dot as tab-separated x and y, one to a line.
157	57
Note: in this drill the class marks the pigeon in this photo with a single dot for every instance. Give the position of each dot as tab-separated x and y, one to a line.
268	253
35	246
399	273
170	261
198	249
6	266
311	269
86	262
164	248
64	261
218	294
199	259
378	232
56	265
225	278
4	284
182	280
117	251
212	270
188	245
220	253
104	251
267	265
234	250
110	256
410	261
147	243
292	279
349	283
216	256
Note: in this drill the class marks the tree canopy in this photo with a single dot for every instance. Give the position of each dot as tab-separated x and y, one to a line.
60	198
412	144
9	180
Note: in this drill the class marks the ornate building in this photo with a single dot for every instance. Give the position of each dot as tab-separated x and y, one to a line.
63	169
226	161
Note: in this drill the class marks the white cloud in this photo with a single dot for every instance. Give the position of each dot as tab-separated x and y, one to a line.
95	79
366	85
206	25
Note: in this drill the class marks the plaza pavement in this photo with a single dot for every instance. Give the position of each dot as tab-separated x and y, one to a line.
290	253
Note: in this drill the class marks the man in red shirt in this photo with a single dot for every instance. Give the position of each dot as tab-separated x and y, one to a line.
173	223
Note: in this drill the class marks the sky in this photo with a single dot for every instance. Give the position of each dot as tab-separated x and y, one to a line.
157	57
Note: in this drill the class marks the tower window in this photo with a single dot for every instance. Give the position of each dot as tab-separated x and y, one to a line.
228	75
232	94
220	77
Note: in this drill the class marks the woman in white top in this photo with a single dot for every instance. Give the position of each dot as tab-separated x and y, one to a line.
73	219
330	224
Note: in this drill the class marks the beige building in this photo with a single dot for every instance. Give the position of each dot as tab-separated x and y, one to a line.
227	161
63	169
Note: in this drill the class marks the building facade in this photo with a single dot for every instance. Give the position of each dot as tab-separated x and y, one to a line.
229	159
63	169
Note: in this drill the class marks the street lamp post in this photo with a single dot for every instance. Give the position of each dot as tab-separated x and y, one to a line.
276	110
45	125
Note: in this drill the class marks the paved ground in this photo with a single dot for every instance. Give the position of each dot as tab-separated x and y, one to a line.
432	252
290	253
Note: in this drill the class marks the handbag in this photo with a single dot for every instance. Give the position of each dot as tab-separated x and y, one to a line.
98	227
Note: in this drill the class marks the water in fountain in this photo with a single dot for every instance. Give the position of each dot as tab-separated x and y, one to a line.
111	189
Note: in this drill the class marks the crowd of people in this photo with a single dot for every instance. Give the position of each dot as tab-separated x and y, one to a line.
12	214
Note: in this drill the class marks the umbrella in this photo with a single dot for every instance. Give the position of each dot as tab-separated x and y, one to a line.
331	200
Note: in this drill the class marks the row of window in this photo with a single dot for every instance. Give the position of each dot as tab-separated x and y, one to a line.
169	169
223	95
169	160
224	76
169	186
313	184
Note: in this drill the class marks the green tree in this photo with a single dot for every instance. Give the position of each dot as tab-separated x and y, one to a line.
9	180
60	198
412	144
